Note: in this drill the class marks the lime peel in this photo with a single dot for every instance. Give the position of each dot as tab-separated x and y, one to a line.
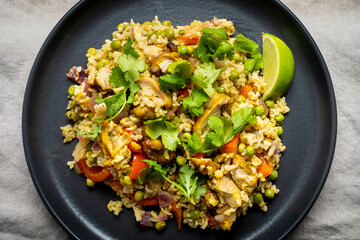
279	66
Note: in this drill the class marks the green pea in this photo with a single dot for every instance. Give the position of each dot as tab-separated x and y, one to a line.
257	198
91	51
241	147
279	117
139	196
166	23
100	64
116	44
71	90
150	33
190	49
194	214
234	74
221	89
147	23
249	150
181	32
269	193
259	110
127	181
280	131
181	160
186	136
170	34
110	56
270	103
237	57
242	99
182	50
273	175
90	183
160	33
160	225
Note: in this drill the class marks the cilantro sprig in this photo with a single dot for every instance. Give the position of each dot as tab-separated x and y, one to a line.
248	46
169	132
96	130
194	103
114	105
179	72
189	182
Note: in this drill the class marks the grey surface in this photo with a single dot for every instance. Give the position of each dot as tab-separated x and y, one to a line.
335	27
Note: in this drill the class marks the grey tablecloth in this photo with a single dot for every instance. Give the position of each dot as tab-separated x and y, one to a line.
334	25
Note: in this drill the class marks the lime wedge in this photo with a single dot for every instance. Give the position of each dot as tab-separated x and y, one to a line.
278	66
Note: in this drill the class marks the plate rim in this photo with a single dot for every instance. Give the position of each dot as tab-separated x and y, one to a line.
286	10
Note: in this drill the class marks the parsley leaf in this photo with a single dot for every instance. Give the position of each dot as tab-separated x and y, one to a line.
212	44
96	130
181	68
168	132
248	46
194	102
189	182
171	81
114	104
205	75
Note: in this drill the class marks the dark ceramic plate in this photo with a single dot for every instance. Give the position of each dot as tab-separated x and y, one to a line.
309	129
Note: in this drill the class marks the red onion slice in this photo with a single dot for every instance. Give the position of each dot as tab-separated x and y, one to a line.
95	146
145	220
262	103
77	74
165	199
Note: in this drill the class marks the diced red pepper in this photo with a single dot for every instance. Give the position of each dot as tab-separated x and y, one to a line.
137	164
147	201
199	155
96	174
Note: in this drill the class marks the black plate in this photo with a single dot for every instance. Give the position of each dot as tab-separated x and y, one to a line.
309	129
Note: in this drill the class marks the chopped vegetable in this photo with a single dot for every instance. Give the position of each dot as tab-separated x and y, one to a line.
96	174
205	75
194	102
257	198
137	164
264	167
177	213
273	175
231	146
114	104
269	193
168	132
245	90
96	130
248	46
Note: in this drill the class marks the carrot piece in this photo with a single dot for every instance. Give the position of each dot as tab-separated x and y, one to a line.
245	90
137	164
264	167
231	146
177	213
199	155
189	40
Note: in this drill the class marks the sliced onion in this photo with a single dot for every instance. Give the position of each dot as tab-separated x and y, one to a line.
145	220
132	35
262	103
77	74
86	90
165	199
95	146
92	103
277	149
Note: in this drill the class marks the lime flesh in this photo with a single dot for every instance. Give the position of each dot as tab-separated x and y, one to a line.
278	66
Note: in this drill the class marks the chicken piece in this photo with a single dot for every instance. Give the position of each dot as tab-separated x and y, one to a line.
231	192
150	88
155	150
205	165
144	112
102	78
244	179
211	198
161	61
111	138
217	101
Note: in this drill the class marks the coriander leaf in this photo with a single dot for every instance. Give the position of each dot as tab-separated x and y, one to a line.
114	104
127	62
246	45
149	172
241	118
182	68
194	145
212	44
222	128
140	65
252	64
171	81
117	78
194	102
96	130
168	132
205	75
129	50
